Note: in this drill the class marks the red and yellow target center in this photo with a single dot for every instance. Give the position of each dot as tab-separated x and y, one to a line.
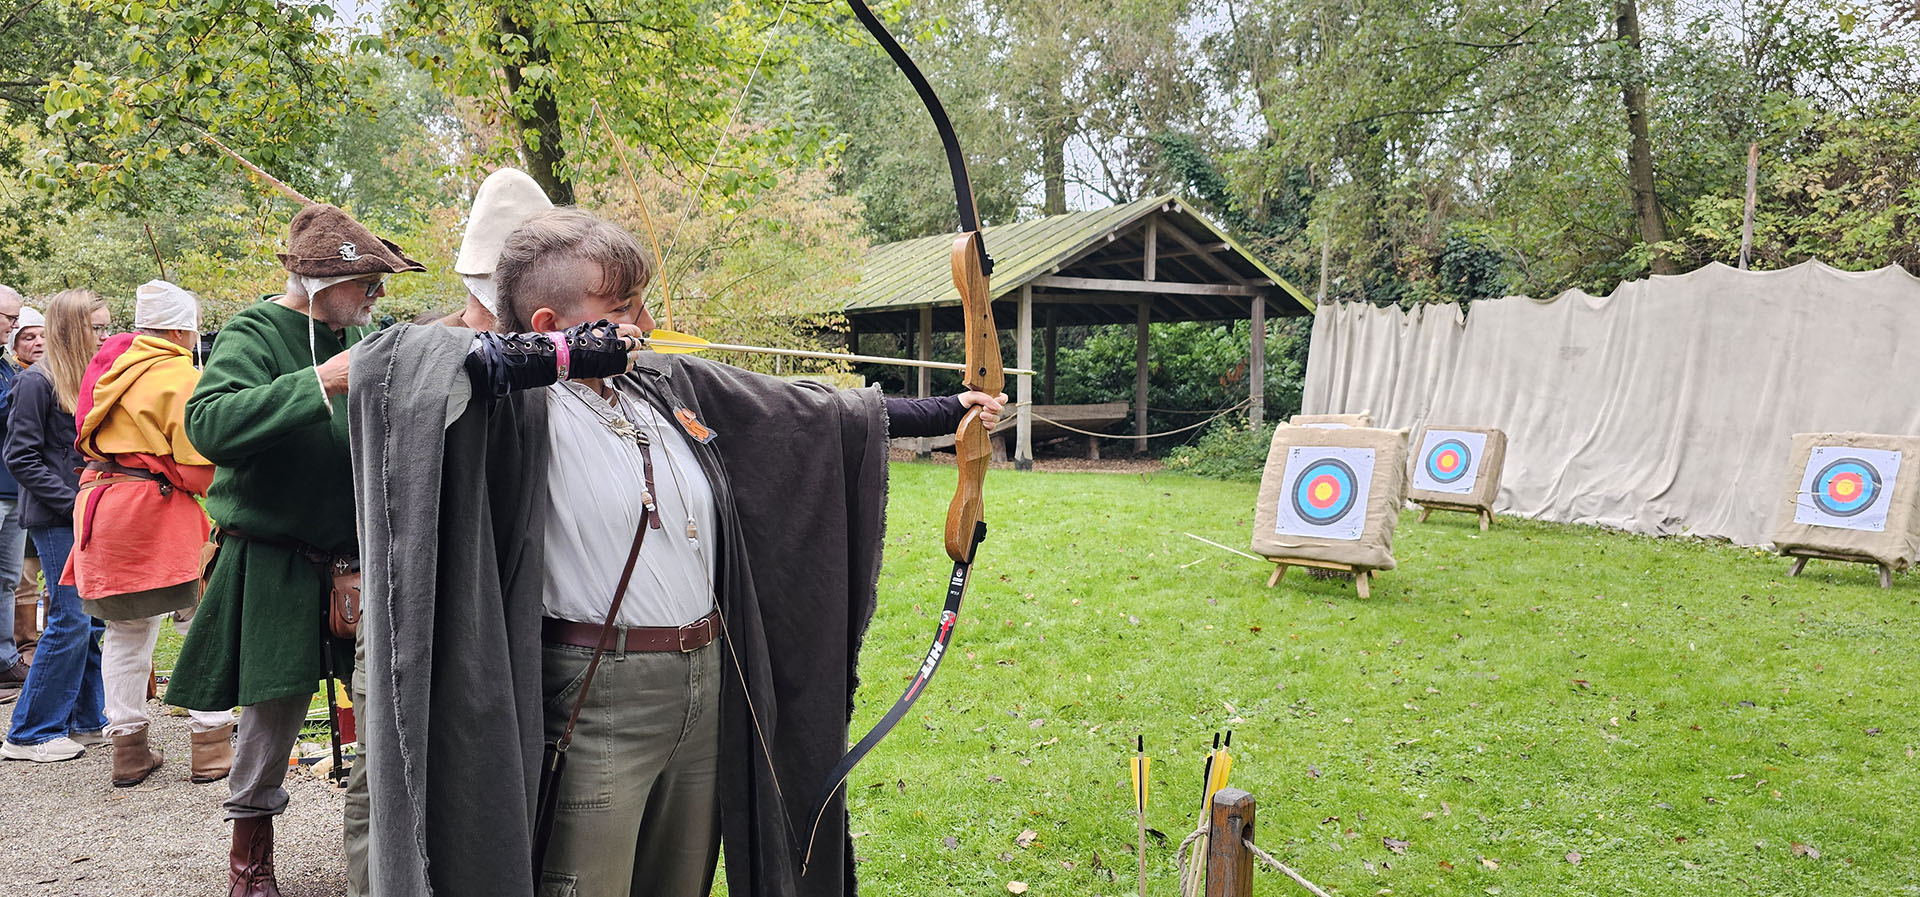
1448	461
1844	487
1323	492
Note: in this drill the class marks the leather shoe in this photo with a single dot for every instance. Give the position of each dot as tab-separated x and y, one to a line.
133	759
250	861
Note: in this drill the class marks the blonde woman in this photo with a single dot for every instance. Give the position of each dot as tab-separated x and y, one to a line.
62	708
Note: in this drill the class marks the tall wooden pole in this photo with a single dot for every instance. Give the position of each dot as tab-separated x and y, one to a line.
1746	220
1023	386
1140	377
1257	365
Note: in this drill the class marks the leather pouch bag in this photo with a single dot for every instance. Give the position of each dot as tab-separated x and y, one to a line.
343	603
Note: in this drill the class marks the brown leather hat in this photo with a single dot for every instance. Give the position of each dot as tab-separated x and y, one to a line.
324	241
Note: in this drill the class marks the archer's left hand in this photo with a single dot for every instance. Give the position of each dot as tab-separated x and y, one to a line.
990	406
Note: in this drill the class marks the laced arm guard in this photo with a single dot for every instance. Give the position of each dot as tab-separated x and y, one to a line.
500	363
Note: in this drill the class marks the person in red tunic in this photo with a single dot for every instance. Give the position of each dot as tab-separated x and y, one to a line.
138	527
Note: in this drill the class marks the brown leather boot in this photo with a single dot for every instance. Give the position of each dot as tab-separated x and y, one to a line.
250	863
133	760
212	754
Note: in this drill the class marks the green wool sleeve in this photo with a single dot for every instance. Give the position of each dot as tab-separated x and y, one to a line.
244	403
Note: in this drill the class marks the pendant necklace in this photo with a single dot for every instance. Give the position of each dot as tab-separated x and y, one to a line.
620	425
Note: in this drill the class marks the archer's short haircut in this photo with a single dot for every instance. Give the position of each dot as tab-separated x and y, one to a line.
528	278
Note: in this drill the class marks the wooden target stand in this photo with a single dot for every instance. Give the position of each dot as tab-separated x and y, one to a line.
1802	555
1361	575
1428	507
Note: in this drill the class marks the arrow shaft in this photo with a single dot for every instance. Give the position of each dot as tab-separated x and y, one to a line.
829	356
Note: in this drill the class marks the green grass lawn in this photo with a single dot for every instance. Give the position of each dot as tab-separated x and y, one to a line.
1679	715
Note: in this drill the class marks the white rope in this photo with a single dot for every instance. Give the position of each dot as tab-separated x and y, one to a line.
1269	860
1223	413
1265	857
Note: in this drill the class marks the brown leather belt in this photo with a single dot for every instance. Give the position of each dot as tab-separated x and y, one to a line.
114	468
691	637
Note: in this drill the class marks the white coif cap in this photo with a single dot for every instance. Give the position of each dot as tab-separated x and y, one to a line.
506	198
159	305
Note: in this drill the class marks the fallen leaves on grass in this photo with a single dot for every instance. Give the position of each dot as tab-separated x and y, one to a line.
1574	857
1489	862
1396	845
952	842
1804	850
1016	887
1026	838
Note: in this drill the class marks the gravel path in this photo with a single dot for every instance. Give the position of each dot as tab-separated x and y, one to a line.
68	833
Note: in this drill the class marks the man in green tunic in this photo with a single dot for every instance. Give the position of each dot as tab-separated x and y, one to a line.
268	413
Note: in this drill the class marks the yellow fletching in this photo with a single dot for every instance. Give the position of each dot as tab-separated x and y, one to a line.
669	342
1222	764
1142	767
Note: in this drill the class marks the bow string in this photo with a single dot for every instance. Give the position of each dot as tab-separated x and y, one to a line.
966	526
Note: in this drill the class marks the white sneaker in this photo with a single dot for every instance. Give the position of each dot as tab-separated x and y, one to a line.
45	752
91	738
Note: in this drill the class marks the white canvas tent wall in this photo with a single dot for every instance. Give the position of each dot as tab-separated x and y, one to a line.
1667	407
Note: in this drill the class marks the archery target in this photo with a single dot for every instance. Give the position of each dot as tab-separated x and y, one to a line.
1449	461
1847	488
1326	492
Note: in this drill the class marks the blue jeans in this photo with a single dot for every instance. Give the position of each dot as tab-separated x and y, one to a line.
63	693
13	548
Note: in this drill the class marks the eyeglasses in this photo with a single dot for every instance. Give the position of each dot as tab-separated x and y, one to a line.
11	319
373	286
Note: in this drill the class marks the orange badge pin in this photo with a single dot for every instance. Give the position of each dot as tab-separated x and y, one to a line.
699	431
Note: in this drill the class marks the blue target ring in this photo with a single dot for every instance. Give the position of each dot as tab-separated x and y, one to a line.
1846	487
1324	491
1448	461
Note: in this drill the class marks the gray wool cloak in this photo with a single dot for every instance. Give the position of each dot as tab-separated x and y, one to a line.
451	493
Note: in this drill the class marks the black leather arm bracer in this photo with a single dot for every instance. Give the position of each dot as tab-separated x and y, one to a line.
500	363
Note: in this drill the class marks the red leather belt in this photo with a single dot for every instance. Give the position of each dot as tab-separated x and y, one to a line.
691	637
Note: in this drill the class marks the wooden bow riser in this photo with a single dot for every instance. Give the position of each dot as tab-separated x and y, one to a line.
972	447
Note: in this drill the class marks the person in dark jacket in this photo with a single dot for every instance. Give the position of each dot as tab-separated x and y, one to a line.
13	666
62	708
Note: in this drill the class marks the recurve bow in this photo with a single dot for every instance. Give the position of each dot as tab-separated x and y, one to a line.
966	524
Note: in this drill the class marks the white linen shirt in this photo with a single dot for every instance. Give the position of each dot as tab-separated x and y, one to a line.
594	481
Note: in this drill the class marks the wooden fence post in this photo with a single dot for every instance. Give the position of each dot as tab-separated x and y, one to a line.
1229	863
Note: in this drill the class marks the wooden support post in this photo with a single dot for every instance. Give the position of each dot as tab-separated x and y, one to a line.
1746	219
1257	365
1229	863
925	353
1023	389
1140	378
1799	564
1886	576
1053	343
1151	261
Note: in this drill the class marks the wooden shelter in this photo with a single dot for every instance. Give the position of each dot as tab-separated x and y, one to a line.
1154	259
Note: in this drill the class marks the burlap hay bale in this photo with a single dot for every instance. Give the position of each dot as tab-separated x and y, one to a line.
1852	494
1332	495
1458	466
1330	421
